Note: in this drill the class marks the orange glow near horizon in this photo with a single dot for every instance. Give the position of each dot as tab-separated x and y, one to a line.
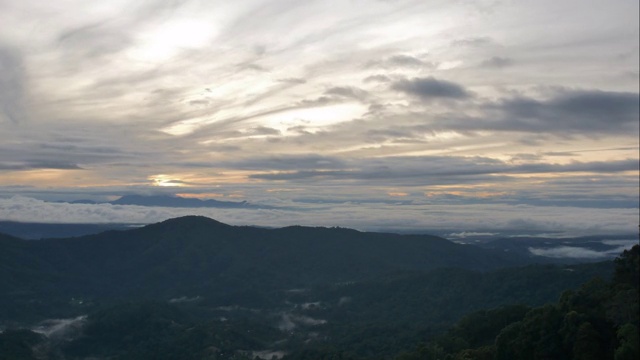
397	193
165	180
200	196
47	178
468	194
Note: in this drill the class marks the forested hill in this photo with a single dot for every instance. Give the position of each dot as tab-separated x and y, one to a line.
191	256
196	256
196	288
600	320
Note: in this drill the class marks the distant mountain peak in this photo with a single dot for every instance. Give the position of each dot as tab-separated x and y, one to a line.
177	201
193	219
188	223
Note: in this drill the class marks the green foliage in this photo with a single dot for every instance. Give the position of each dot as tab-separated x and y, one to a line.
534	337
629	343
599	321
626	273
152	330
588	343
231	288
226	265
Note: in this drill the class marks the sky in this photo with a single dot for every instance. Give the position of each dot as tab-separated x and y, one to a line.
362	113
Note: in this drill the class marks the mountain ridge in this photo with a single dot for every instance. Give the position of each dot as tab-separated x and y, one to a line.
198	256
178	201
303	286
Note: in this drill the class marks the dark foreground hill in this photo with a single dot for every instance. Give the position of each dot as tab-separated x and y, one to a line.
195	286
31	230
198	256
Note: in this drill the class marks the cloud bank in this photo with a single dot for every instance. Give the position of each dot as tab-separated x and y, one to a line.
370	216
432	104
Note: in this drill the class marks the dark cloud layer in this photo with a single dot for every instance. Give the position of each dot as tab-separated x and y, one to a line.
429	169
288	162
431	88
571	112
583	111
31	165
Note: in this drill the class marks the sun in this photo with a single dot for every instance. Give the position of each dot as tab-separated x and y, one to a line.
166	181
162	42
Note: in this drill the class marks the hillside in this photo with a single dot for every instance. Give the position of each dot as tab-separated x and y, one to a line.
194	284
196	256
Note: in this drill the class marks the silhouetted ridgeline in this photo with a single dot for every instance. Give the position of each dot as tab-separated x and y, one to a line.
196	255
177	201
196	286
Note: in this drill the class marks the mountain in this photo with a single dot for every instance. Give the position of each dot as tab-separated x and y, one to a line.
32	231
197	256
375	319
599	320
177	201
193	285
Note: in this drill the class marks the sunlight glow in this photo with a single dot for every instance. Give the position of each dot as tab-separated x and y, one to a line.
165	41
313	119
183	127
165	180
397	193
200	195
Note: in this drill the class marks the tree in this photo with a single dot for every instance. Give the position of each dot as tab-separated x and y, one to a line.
629	339
588	344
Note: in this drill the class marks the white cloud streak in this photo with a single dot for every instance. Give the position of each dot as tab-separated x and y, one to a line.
575	252
371	216
109	97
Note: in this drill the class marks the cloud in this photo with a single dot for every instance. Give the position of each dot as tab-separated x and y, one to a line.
12	86
400	61
566	113
347	92
262	130
431	88
560	153
65	148
61	329
287	162
574	110
123	92
30	165
375	216
405	60
473	41
94	40
254	67
433	168
575	252
497	62
395	134
465	234
293	80
593	167
377	78
526	157
184	299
